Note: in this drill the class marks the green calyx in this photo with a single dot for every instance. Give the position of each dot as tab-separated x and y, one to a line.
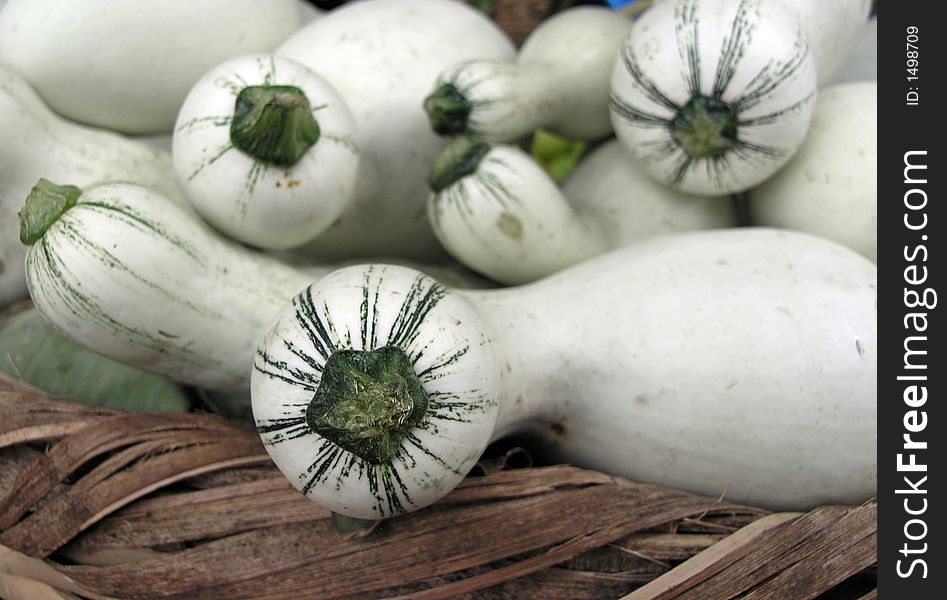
273	124
460	159
447	110
45	203
367	402
705	127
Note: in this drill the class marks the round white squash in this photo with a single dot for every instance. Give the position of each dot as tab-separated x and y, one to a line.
713	96
265	149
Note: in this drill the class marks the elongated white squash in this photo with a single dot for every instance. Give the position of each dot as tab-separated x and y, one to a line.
830	187
38	143
128	273
631	206
136	277
266	151
403	45
498	212
713	96
559	81
739	363
127	66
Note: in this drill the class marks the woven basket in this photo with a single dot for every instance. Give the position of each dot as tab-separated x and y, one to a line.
98	503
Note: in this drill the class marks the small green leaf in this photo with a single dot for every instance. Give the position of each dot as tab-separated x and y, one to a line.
34	351
351	527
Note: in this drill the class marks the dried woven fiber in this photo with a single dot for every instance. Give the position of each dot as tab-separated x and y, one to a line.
96	503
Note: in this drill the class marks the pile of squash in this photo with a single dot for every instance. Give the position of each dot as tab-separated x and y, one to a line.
258	200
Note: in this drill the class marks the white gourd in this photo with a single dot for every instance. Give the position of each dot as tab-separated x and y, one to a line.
38	143
137	277
739	363
631	206
830	187
713	96
832	29
498	212
862	61
265	149
130	274
127	66
559	81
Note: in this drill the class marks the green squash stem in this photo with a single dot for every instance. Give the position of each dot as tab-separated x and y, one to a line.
367	402
460	159
45	203
705	127
273	124
448	110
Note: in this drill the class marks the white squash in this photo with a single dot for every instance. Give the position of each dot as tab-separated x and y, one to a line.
862	62
265	149
631	206
498	212
128	273
383	57
127	66
713	96
832	30
739	363
309	12
38	143
559	81
830	188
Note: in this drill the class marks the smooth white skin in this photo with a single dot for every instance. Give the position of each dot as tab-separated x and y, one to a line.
830	187
383	57
161	141
261	204
308	12
509	221
451	447
630	206
179	300
656	42
738	363
862	61
114	64
38	143
832	29
560	80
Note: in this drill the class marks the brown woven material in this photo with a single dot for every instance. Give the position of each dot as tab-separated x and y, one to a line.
97	503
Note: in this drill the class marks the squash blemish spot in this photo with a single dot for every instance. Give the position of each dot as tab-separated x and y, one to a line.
558	431
510	226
